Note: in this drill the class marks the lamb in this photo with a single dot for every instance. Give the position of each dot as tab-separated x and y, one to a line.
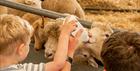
86	52
64	6
72	8
3	10
44	29
91	50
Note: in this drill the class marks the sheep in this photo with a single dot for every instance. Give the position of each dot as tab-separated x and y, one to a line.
43	29
64	6
91	50
86	52
3	10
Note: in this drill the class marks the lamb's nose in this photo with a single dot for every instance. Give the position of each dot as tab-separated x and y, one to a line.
85	55
49	55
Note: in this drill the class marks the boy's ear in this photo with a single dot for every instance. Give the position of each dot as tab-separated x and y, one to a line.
21	49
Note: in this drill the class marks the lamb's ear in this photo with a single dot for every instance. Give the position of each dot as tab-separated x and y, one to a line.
92	62
36	24
115	30
110	28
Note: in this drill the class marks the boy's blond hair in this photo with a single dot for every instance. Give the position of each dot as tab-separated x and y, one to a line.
13	32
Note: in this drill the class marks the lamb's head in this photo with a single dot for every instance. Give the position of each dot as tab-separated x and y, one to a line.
52	33
91	50
82	54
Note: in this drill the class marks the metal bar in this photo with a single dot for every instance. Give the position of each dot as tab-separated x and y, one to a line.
41	12
112	9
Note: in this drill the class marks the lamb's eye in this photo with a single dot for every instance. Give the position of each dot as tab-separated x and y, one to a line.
42	0
107	35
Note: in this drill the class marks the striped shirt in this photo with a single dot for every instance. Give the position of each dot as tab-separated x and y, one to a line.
25	67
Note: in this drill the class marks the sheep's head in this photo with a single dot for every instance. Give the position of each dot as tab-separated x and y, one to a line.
91	50
52	32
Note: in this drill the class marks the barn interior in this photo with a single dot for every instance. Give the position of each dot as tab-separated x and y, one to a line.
120	14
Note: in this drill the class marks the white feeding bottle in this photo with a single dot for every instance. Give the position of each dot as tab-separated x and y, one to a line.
84	36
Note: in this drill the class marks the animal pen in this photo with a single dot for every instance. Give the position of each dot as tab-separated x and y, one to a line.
120	14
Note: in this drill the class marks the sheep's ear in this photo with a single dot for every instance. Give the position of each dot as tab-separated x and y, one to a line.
92	62
109	26
115	30
35	25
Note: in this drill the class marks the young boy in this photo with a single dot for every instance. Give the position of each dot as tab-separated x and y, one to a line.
15	36
121	52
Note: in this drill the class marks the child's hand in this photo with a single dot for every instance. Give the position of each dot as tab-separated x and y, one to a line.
67	28
73	41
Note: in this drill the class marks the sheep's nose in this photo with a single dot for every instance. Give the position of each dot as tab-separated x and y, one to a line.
49	55
85	55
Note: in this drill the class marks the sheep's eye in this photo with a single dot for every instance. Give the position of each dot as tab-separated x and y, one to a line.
42	0
107	35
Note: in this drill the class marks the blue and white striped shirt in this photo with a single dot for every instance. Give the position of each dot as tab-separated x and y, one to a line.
25	67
